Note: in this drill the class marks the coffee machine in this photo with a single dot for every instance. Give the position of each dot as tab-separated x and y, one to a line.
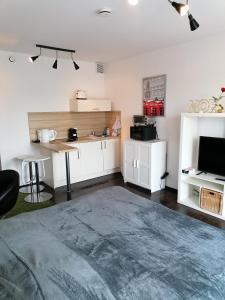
72	134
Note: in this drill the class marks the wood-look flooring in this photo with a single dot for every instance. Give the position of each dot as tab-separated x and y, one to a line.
167	197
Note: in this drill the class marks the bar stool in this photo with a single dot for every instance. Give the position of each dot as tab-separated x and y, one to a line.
25	169
37	196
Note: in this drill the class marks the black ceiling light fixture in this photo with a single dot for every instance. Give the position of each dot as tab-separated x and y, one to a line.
193	23
56	61
74	63
183	9
55	65
33	58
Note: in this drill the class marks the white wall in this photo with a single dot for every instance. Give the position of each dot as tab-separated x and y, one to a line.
26	87
194	71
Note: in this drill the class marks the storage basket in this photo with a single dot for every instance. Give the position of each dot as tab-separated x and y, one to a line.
211	200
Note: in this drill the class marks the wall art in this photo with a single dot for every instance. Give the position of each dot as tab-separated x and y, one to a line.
154	96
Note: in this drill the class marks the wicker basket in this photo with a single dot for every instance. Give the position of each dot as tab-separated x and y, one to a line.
211	200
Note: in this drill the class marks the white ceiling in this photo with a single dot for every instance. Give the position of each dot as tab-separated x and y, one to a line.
130	30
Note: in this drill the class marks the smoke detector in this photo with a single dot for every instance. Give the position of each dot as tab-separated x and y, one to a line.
104	12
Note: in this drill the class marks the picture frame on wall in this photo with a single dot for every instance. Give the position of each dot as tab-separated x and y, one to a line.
154	96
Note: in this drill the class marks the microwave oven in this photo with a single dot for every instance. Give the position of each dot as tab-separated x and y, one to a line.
143	133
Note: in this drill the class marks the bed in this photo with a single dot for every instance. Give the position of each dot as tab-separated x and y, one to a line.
111	244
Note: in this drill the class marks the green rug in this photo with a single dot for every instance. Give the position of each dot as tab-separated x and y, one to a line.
22	206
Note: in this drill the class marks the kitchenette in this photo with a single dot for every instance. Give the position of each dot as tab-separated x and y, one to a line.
89	135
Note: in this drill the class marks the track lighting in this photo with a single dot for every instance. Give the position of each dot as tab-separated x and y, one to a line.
33	58
56	62
55	65
193	23
74	63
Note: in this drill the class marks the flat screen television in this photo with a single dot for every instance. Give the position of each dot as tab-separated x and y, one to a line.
211	155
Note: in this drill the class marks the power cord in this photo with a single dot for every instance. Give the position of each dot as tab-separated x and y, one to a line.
163	177
157	137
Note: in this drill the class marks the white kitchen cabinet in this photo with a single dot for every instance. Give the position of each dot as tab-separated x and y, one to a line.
130	170
90	105
93	159
59	167
111	154
145	163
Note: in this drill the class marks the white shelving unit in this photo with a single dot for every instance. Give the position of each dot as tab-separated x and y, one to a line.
194	125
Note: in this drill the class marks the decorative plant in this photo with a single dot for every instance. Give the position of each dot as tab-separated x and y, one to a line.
217	106
221	95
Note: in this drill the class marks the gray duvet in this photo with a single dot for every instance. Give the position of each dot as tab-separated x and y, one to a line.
110	244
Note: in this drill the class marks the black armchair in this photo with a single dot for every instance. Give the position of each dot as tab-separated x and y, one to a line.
9	189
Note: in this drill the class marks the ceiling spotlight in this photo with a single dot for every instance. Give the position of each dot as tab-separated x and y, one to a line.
181	8
33	58
74	63
56	62
133	2
76	66
193	23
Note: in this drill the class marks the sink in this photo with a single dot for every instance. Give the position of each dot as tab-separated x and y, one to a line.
93	137
83	138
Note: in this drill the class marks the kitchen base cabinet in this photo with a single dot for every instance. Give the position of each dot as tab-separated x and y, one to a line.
145	163
59	167
111	154
93	159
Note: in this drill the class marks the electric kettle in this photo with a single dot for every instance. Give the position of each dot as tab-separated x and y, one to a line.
46	135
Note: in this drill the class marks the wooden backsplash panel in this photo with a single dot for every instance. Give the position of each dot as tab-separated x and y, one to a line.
110	117
61	121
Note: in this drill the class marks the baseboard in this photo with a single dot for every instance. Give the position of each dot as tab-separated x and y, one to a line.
60	183
171	189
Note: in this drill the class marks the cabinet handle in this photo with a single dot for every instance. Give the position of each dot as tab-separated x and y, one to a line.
96	108
137	164
101	145
134	163
105	144
78	154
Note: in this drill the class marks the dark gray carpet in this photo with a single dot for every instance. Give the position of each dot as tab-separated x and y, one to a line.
110	244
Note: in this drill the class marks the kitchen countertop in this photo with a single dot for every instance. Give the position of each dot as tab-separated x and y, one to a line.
85	139
57	147
63	145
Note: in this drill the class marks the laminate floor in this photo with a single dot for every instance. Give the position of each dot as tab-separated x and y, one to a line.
167	197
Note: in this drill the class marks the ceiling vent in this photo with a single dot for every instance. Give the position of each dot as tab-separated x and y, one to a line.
100	68
104	12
